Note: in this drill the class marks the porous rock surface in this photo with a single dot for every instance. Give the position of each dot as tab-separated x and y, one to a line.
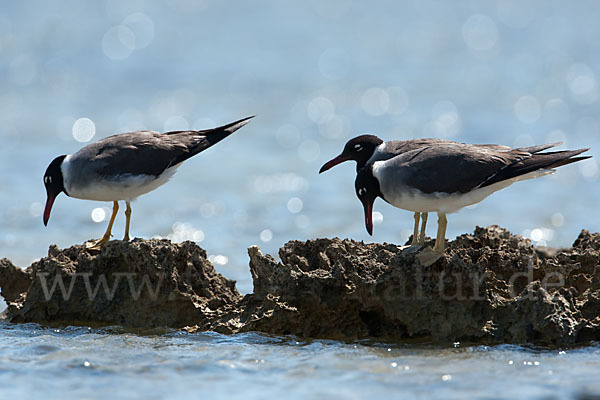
136	284
15	281
489	287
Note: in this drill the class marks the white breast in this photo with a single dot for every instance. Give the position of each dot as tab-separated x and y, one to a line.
121	187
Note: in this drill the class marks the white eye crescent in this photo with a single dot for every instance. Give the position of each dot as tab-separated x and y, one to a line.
362	191
358	147
48	179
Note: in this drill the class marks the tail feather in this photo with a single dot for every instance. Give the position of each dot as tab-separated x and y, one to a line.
537	161
202	140
231	127
569	161
538	148
215	135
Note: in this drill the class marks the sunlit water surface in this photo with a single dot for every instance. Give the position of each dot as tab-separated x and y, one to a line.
38	362
315	73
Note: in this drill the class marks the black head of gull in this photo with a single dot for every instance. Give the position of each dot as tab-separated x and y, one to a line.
367	190
359	149
53	181
125	166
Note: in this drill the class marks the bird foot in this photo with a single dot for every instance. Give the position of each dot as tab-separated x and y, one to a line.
428	256
97	244
126	238
410	249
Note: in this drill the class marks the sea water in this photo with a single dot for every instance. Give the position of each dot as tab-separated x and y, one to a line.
76	362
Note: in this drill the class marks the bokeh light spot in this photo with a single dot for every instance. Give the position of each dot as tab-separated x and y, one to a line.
36	209
266	235
198	235
83	130
528	109
445	121
336	127
556	111
294	205
98	214
126	37
375	101
320	109
557	220
377	217
581	81
118	42
142	28
536	235
480	32
589	169
182	231
218	259
207	210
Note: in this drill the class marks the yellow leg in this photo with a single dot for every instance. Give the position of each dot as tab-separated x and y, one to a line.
440	241
429	256
415	239
100	242
423	224
127	219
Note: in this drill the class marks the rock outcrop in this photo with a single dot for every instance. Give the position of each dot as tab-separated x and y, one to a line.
137	284
489	287
14	281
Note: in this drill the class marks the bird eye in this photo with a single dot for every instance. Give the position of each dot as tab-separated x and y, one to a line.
358	147
362	191
48	179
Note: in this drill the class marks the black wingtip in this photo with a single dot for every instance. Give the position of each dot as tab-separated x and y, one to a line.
539	148
538	161
570	160
234	126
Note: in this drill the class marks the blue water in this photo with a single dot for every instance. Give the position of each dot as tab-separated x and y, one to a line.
315	73
90	363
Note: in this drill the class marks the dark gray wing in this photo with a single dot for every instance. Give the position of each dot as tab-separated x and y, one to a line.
536	162
137	153
394	148
397	147
448	168
458	167
148	152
